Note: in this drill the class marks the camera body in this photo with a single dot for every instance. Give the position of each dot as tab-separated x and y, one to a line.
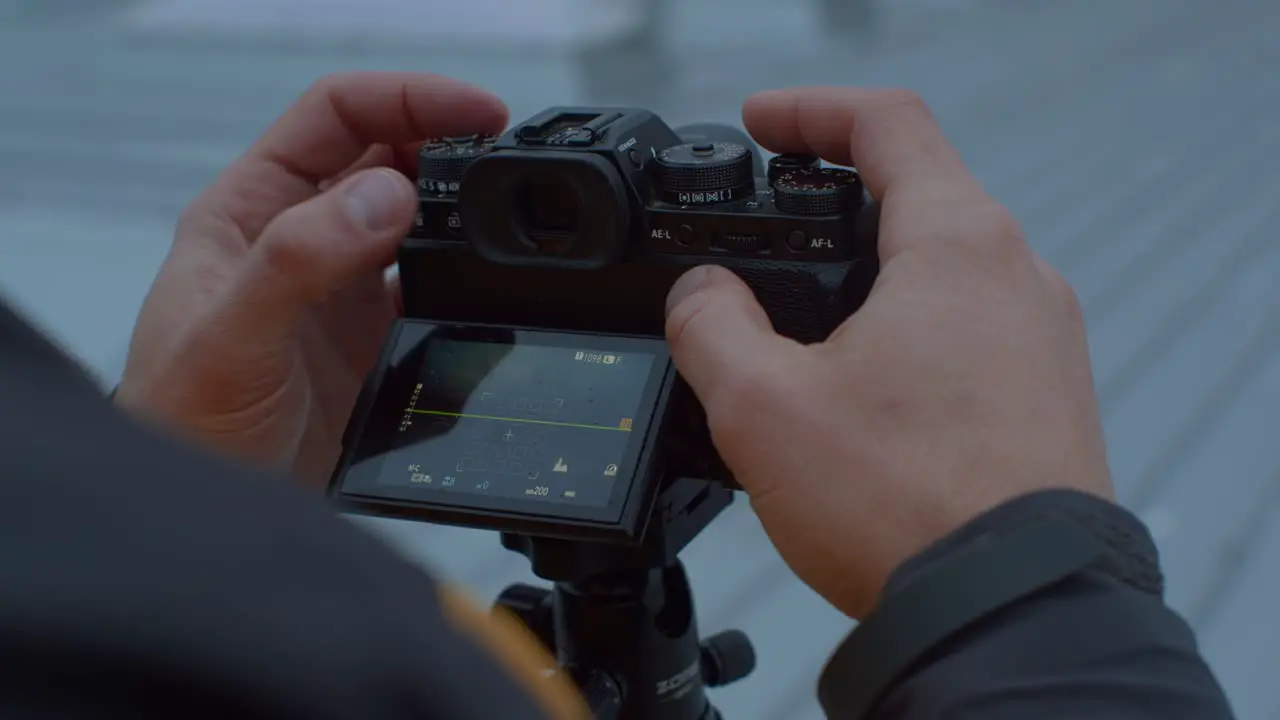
581	219
529	389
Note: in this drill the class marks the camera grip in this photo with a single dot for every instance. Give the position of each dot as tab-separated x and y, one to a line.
806	301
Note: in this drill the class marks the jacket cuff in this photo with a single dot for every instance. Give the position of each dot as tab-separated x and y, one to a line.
1131	555
992	562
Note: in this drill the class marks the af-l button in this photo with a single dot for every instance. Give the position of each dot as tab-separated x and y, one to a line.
799	242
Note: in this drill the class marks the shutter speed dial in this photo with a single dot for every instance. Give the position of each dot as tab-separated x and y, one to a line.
704	173
817	191
780	165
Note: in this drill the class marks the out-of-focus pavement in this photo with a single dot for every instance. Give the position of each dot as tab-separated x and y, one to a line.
1136	139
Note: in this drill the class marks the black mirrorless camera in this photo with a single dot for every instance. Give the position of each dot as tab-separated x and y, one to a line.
529	388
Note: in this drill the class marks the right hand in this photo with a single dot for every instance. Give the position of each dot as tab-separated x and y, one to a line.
963	382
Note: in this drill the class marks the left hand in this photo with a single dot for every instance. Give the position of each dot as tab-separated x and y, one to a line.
272	303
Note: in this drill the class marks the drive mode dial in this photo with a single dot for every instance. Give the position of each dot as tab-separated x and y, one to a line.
442	162
704	173
817	191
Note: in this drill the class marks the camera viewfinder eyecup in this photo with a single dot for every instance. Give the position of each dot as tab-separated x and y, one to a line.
545	209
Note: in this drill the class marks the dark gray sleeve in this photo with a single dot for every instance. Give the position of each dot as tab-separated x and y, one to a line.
140	578
1099	644
1089	647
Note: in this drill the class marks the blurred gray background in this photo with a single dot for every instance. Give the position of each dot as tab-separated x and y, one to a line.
1136	140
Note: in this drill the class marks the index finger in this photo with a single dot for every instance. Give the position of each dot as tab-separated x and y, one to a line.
889	135
334	123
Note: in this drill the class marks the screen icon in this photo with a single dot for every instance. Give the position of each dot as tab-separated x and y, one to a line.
610	470
608	359
560	466
624	424
580	355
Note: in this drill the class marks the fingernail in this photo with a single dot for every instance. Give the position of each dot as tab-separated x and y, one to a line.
688	284
376	200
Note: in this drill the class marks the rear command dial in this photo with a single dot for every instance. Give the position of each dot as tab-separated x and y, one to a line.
704	173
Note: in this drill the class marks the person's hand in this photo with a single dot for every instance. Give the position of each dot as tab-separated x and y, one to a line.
272	303
964	380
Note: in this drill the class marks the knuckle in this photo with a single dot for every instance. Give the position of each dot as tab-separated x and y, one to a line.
903	99
1058	285
702	307
1066	295
685	314
206	219
323	86
985	235
999	227
192	221
1059	292
995	238
285	255
329	91
191	215
282	253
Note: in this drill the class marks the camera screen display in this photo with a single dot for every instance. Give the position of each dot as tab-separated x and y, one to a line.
505	419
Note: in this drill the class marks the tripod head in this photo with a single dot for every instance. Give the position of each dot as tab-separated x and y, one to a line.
620	618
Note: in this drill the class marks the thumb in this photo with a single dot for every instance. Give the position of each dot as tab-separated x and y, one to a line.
320	245
721	339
